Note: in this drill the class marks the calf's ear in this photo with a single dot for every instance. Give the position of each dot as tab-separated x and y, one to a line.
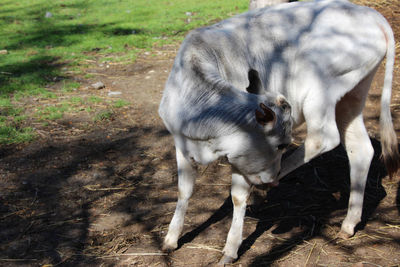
255	85
266	117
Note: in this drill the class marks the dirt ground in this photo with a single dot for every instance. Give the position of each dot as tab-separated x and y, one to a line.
102	194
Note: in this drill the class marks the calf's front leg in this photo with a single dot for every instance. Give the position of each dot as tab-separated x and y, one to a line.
186	179
240	191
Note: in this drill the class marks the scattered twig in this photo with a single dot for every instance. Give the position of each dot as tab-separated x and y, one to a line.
126	254
392	226
92	188
373	264
203	172
277	238
223	165
202	246
9	214
309	254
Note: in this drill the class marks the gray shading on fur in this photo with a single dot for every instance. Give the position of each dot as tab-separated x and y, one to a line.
238	87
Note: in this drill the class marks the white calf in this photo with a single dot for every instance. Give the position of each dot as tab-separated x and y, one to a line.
321	56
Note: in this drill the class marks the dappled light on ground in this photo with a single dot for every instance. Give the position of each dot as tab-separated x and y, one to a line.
88	192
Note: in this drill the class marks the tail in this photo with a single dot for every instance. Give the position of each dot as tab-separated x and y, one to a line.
390	151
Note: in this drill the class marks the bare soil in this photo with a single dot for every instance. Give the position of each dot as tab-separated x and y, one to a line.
102	194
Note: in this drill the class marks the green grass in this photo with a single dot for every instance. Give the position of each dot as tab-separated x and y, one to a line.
121	103
70	86
95	99
77	100
40	50
53	112
10	119
103	115
39	47
10	134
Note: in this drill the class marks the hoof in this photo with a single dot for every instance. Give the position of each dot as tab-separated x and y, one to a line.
344	235
168	248
225	260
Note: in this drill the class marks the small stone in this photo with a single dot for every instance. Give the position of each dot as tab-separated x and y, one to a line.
189	14
98	85
111	93
48	15
3	52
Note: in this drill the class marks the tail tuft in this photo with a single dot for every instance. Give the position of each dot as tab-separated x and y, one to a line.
390	151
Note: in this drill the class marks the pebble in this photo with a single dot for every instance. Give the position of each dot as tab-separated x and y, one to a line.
111	93
48	14
98	85
3	52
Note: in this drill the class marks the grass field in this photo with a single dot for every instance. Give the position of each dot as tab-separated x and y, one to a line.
46	42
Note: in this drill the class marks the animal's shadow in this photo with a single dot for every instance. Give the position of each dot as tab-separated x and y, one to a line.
306	199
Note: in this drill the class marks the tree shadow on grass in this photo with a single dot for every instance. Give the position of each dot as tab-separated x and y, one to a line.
31	62
37	72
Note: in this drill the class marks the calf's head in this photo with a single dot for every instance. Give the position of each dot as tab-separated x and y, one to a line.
261	150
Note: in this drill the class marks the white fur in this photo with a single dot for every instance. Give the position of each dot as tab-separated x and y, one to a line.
320	56
263	3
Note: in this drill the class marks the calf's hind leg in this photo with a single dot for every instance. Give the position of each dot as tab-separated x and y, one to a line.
359	150
186	179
